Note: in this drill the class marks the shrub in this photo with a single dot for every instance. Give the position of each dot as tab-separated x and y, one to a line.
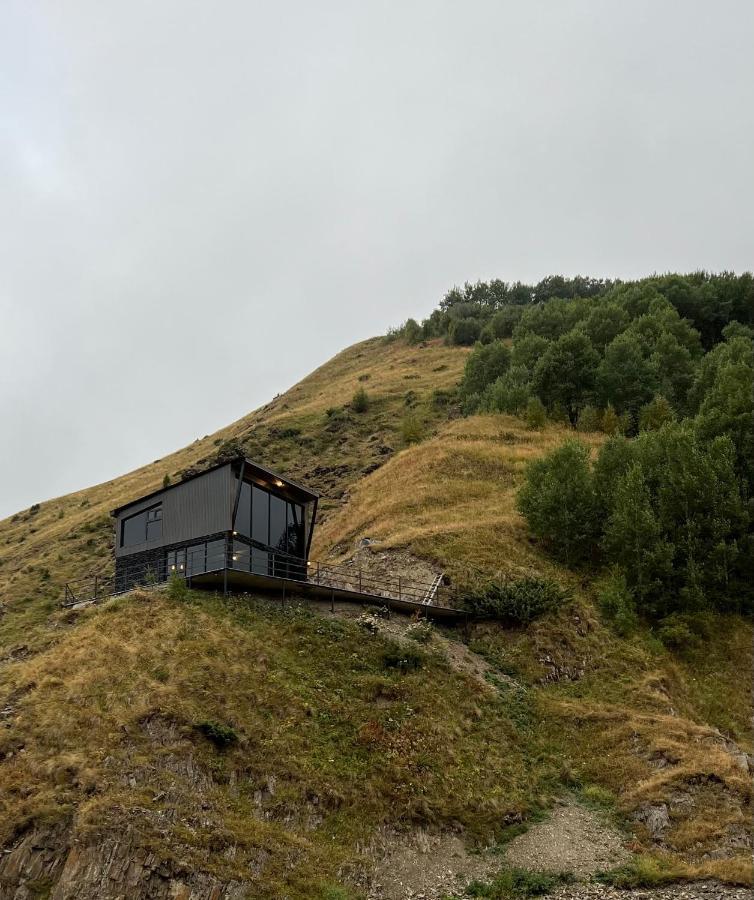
535	415
177	588
483	366
508	394
166	481
611	424
589	419
464	332
404	659
412	429
517	883
412	331
421	632
360	401
655	414
676	633
516	602
220	735
559	502
616	602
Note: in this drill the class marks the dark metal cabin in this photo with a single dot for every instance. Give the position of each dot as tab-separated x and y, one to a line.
237	517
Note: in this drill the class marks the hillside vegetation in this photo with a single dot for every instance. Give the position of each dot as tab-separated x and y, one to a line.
194	744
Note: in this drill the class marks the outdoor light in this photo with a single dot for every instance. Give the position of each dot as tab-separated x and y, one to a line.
278	482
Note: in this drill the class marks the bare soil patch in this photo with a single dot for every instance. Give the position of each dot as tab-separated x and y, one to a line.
573	839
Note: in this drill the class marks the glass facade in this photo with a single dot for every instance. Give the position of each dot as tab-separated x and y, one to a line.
142	527
270	521
260	516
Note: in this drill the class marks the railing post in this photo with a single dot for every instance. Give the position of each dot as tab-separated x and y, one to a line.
332	600
317	571
96	586
400	592
360	590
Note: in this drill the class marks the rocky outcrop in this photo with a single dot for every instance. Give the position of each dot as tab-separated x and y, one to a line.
113	869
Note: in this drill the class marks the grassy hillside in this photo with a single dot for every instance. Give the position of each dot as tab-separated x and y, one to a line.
212	742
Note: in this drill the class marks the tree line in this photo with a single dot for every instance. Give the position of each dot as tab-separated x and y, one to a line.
665	367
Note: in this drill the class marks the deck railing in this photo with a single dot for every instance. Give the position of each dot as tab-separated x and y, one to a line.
282	568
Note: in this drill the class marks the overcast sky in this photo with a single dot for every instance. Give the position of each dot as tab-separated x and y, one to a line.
202	201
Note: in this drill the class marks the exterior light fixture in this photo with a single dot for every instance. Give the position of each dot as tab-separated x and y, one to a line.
235	532
278	482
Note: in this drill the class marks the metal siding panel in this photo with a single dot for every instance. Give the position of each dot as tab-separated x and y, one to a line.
200	507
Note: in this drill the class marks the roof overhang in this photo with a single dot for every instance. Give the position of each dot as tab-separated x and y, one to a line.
267	476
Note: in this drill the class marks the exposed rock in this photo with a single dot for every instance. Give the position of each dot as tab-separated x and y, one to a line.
656	819
108	870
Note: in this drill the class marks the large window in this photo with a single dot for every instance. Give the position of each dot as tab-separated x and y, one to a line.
142	527
270	521
260	516
278	525
243	515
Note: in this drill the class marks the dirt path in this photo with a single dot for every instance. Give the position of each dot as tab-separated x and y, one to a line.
572	839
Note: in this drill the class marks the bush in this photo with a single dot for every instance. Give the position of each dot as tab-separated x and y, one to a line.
412	331
483	366
220	735
464	332
177	588
516	602
589	419
611	424
536	414
617	603
421	632
559	502
360	401
676	633
404	659
508	394
655	414
517	883
412	429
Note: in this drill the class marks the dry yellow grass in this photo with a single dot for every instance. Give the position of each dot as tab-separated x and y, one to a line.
452	498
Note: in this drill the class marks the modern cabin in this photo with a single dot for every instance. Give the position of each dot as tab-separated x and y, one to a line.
218	527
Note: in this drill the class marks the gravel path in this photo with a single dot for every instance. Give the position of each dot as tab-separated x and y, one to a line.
698	890
571	839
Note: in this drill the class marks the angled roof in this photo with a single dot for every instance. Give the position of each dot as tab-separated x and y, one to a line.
267	474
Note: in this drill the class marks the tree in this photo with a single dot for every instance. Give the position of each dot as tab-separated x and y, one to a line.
633	536
655	414
728	409
604	323
508	394
464	332
566	372
674	369
589	419
624	378
611	423
360	401
527	350
484	365
559	502
536	414
505	320
412	331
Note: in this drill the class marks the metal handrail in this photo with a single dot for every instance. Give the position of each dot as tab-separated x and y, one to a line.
279	565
